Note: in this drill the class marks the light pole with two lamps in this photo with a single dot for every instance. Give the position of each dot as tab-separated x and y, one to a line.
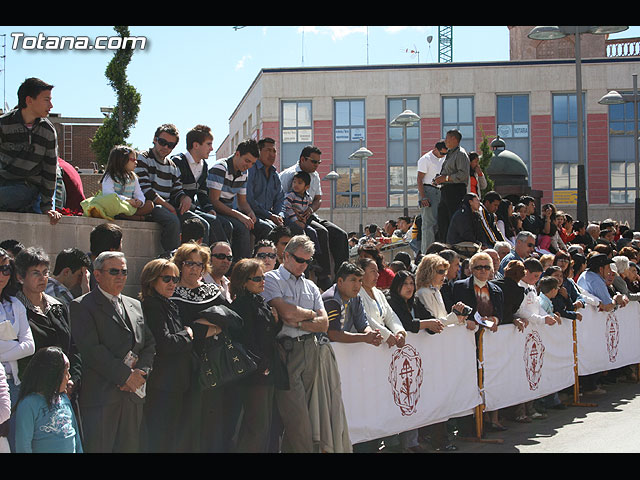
406	119
555	33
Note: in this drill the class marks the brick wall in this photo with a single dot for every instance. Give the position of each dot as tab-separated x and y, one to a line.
598	159
74	144
541	156
377	163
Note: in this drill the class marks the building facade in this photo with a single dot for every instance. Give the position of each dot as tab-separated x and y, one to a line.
530	102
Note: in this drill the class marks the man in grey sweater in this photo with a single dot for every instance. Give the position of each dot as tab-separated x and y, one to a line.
453	181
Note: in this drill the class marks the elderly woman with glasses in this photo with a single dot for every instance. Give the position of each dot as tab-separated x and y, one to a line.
167	400
48	317
197	301
259	330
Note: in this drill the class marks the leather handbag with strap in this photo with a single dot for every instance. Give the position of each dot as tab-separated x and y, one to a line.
223	361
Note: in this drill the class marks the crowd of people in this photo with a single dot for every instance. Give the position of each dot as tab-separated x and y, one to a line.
248	262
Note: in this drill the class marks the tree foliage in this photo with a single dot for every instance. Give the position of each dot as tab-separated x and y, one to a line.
117	127
485	160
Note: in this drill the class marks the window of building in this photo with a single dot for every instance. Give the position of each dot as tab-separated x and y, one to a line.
621	153
395	154
457	114
296	130
349	130
565	141
513	125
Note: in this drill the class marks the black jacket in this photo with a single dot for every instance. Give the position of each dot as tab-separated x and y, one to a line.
465	226
464	292
513	295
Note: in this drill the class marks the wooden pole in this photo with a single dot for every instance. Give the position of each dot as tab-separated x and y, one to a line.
576	384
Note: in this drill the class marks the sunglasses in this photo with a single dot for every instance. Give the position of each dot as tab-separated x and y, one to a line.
164	143
315	162
302	260
257	278
5	270
169	278
222	256
189	263
116	271
441	272
531	245
263	255
482	267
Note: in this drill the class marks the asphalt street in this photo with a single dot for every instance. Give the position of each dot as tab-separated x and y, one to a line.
612	425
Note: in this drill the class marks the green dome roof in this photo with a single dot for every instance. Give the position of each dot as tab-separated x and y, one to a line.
507	163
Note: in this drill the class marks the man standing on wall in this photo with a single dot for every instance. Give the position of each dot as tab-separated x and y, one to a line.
453	181
429	166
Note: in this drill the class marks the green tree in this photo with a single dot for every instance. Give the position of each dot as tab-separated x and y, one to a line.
485	160
117	127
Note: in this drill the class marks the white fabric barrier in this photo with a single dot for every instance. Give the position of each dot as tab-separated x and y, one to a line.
386	391
608	340
523	366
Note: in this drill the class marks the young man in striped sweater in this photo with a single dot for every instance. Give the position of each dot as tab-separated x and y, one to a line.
159	179
227	182
29	152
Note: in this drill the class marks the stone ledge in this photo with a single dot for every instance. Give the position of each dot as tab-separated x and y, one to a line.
140	240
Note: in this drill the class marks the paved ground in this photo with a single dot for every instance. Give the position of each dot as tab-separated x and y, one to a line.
612	426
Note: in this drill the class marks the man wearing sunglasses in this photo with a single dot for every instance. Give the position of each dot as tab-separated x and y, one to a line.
300	308
332	239
227	182
159	179
524	247
117	350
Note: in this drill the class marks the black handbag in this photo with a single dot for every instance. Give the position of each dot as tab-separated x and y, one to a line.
223	361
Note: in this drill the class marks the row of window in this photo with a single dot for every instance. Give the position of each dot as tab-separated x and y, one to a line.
512	116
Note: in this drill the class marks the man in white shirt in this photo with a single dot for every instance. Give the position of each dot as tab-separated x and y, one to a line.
429	166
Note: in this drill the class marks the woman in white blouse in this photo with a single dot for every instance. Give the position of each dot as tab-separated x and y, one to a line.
16	339
381	315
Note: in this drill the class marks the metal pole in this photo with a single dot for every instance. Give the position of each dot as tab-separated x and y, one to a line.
582	213
637	156
404	173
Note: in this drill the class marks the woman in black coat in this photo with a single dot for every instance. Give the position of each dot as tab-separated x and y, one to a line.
259	330
465	224
166	408
513	293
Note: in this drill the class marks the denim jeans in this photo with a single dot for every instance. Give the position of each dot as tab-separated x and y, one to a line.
17	196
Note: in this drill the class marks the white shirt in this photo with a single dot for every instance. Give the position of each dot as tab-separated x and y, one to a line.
430	165
286	178
530	308
11	351
381	315
196	167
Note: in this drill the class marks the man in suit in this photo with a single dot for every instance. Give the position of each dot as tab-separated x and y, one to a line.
117	349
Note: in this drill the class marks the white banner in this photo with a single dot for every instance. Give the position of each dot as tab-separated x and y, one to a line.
386	391
608	340
522	366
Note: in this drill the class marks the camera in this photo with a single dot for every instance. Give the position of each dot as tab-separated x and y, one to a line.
466	311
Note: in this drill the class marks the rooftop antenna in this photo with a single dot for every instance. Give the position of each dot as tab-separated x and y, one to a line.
429	40
4	72
413	52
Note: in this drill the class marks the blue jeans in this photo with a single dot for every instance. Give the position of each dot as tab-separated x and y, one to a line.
17	196
240	239
430	217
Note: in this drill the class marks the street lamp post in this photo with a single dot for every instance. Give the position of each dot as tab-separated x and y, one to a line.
554	33
615	98
406	119
361	154
332	176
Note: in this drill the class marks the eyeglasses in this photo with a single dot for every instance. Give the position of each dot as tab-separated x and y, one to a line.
222	256
531	245
263	255
301	260
164	143
189	263
257	278
116	271
169	278
482	267
5	270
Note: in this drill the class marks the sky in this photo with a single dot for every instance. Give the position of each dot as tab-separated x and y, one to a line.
189	75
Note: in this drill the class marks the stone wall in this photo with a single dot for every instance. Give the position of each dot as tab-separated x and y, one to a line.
140	241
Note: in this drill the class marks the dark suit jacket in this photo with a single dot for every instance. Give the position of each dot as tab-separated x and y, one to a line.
173	365
513	296
463	292
104	340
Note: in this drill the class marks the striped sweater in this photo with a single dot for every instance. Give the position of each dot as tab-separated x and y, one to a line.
159	179
29	154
